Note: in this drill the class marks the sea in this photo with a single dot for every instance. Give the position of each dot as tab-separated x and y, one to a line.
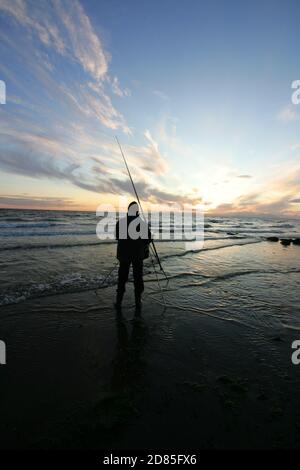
45	253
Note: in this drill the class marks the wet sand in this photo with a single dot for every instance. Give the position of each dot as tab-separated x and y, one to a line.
78	375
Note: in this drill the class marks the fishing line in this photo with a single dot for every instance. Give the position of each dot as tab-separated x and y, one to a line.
106	277
141	207
152	245
161	291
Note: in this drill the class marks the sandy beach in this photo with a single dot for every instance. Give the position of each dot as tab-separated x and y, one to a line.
205	372
149	231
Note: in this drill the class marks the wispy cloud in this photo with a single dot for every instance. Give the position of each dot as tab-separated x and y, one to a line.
64	28
295	147
55	129
161	95
89	162
275	196
116	88
75	38
35	202
288	114
85	45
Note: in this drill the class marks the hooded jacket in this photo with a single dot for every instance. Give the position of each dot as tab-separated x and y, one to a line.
134	236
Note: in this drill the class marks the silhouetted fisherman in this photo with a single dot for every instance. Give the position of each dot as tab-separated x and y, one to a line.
133	237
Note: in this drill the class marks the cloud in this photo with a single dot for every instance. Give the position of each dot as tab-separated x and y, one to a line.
84	43
248	199
288	114
34	202
117	89
275	196
244	176
76	38
161	95
98	104
153	194
295	147
63	106
30	164
46	31
64	28
156	163
93	165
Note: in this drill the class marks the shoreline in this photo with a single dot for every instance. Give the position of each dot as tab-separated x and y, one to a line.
90	379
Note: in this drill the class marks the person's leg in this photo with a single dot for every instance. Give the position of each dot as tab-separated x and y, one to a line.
137	267
122	279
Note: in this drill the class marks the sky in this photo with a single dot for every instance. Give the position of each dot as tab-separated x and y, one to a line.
199	94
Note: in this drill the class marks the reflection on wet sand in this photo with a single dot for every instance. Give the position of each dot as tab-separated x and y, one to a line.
129	361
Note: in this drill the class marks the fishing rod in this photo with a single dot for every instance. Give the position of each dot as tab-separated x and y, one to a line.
139	202
106	277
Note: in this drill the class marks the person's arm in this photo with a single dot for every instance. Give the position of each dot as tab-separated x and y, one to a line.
117	231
